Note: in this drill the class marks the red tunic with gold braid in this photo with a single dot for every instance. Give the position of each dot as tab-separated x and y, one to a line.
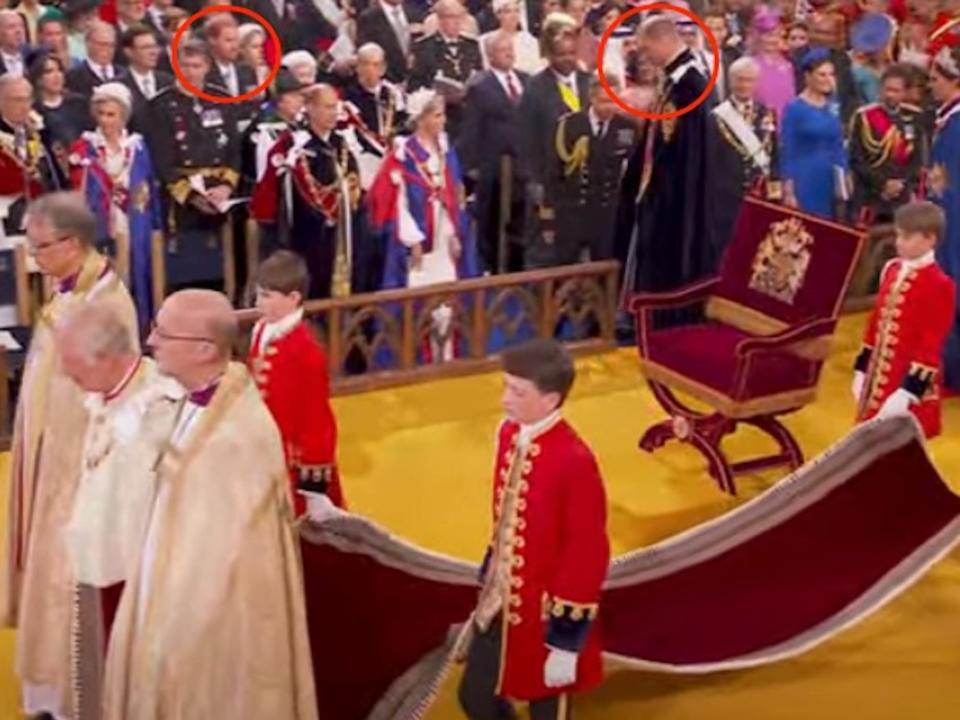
293	377
550	546
904	341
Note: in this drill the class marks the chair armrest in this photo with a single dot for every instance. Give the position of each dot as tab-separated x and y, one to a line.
678	298
786	338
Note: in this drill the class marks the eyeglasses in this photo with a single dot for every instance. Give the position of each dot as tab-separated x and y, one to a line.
158	332
37	248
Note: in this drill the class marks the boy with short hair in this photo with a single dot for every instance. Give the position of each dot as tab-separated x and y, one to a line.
898	368
535	635
291	371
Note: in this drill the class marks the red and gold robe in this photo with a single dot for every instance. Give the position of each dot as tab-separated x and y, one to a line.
904	340
551	548
292	375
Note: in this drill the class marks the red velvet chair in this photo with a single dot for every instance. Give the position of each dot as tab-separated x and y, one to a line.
764	331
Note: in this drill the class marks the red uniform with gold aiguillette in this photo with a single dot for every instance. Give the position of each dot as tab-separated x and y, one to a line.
548	558
904	341
292	375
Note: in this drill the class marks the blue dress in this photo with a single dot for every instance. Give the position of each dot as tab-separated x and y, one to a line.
943	188
811	146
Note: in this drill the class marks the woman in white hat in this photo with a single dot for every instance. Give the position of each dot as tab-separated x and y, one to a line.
418	199
252	37
112	167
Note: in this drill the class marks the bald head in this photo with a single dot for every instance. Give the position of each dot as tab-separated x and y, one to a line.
323	105
660	40
208	314
193	336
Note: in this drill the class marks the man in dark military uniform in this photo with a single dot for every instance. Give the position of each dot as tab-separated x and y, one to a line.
284	111
196	149
886	148
747	148
583	182
552	93
674	239
446	60
310	192
374	111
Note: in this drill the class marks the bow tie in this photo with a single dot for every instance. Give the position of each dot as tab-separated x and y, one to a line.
203	396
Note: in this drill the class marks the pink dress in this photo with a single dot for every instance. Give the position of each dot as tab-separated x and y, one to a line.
776	86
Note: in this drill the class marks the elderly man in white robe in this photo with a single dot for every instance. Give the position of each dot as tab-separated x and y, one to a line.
106	525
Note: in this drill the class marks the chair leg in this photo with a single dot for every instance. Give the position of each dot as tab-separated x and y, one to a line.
702	431
790	452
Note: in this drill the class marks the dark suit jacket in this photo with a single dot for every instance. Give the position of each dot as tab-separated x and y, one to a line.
140	113
541	107
300	26
373	26
82	80
491	126
430	58
121	57
246	81
24	53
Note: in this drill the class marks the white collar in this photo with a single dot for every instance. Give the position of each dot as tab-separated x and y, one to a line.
595	122
97	67
284	326
226	68
503	76
570	79
921	262
11	56
529	431
141	76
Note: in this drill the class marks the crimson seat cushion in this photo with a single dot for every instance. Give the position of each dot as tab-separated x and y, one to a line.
706	355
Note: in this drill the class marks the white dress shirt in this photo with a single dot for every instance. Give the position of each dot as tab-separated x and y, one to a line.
147	83
229	74
398	21
13	63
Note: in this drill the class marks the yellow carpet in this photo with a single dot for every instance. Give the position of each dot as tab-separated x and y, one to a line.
418	460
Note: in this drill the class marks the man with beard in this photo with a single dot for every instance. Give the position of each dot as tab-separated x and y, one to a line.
674	239
310	192
886	147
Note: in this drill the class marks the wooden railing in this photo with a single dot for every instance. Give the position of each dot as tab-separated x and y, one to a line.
392	338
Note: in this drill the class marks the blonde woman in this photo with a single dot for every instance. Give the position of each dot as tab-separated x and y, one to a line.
112	167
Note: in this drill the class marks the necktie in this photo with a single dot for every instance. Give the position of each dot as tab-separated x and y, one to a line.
105	72
400	25
148	87
512	89
569	95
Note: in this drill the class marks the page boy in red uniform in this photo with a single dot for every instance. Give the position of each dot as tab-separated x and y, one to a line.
898	368
535	637
291	371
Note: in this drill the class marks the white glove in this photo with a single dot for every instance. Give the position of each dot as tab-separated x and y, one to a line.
857	387
560	669
319	507
897	404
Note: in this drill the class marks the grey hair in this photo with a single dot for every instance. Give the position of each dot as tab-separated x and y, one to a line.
99	331
7	80
743	64
494	37
100	25
68	214
371	50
